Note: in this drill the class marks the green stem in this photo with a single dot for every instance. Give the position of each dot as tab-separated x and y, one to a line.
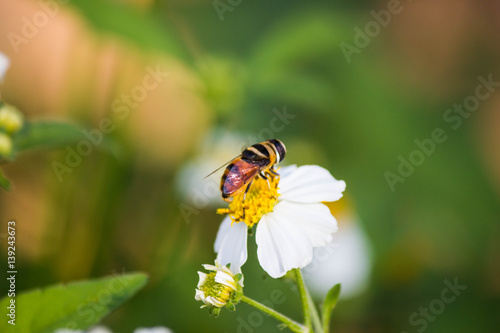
303	297
290	323
307	304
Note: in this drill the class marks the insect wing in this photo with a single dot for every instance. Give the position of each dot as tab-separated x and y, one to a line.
240	175
223	165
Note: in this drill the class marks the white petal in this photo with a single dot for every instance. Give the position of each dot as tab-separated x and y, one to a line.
157	329
314	219
310	183
4	65
200	295
215	302
210	267
202	279
287	170
286	237
225	279
281	245
231	244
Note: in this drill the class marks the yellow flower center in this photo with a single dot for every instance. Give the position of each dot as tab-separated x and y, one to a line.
217	290
259	200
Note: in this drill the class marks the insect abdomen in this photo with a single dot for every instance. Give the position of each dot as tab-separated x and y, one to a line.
256	152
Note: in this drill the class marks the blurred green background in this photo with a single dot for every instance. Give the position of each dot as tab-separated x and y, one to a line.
230	68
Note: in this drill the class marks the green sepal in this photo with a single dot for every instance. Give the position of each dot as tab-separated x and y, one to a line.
230	306
213	311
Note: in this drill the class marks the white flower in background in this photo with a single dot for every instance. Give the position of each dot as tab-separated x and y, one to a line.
219	288
217	148
4	65
102	329
158	329
346	261
96	329
291	219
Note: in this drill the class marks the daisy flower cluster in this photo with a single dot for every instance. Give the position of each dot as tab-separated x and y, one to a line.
288	215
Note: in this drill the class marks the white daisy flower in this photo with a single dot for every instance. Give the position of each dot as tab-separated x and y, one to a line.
4	65
291	219
96	329
103	329
218	288
157	329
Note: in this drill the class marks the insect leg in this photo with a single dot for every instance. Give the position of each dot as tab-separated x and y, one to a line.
274	172
245	195
246	191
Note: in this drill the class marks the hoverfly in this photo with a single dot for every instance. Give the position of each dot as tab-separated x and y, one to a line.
253	162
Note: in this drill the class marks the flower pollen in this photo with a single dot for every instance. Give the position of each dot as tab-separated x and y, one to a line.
218	291
259	200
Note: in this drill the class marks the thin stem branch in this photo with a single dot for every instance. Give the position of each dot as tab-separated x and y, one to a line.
308	304
303	297
314	314
290	323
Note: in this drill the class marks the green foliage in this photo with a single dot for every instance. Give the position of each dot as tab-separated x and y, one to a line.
76	306
289	61
4	182
354	119
47	135
145	30
331	300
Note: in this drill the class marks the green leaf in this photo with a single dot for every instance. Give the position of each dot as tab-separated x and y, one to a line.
331	300
76	306
47	135
144	29
291	63
4	182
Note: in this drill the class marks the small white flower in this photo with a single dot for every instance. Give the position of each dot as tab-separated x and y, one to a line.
100	329
96	329
4	65
157	329
291	220
103	329
218	288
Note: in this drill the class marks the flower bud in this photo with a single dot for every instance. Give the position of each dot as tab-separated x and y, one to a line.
5	144
10	118
218	288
